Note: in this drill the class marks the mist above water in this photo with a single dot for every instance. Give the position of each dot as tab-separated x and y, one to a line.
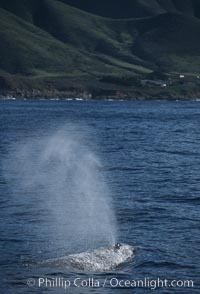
61	176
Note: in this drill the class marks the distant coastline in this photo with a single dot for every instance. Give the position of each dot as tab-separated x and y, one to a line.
100	49
86	95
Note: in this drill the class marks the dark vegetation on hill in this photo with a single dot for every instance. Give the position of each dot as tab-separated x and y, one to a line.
137	8
103	48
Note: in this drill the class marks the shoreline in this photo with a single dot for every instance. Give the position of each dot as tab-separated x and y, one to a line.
76	95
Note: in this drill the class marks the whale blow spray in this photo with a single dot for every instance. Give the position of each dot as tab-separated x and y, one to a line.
64	177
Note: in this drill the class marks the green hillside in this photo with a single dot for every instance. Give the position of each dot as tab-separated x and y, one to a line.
75	47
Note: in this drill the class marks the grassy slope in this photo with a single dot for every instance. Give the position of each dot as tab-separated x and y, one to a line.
25	47
77	43
168	40
54	43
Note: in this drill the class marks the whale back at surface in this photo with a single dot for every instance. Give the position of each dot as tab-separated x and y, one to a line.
98	260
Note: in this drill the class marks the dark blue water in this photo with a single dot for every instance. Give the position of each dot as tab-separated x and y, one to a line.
150	154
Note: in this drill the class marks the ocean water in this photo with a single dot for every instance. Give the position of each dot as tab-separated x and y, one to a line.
149	154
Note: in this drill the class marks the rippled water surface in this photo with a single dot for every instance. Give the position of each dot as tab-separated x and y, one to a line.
150	158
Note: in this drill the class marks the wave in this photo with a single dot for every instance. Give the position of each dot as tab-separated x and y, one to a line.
98	260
